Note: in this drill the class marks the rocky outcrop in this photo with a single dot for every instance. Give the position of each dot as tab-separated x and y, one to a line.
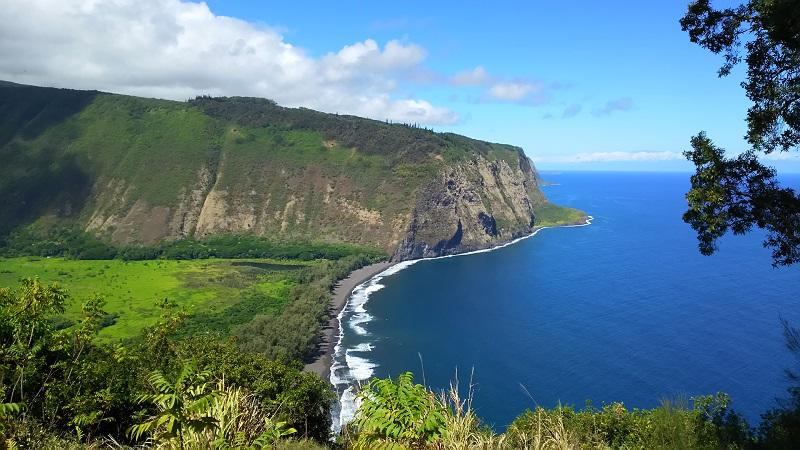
470	206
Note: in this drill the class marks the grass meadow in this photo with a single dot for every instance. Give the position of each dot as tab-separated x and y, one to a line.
216	293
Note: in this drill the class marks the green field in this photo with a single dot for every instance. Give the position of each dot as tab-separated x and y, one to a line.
216	293
550	215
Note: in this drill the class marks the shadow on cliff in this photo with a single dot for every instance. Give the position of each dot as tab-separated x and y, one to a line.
37	179
48	184
27	111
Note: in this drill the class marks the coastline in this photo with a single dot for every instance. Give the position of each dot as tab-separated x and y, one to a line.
330	334
350	366
344	288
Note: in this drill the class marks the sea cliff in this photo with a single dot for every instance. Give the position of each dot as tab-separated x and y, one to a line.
133	171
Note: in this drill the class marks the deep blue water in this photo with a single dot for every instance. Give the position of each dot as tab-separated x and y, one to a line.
625	309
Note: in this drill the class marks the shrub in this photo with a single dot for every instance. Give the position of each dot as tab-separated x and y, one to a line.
398	412
301	399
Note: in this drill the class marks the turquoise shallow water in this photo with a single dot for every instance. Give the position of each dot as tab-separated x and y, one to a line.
625	309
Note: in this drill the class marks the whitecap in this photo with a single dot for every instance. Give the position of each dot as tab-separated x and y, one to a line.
361	369
357	320
363	347
348	405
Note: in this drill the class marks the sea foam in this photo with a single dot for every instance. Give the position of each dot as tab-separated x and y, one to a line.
350	366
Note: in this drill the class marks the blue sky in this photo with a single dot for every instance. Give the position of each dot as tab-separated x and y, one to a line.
610	85
584	54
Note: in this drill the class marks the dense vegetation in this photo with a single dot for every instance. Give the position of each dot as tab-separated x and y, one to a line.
216	294
550	215
739	193
276	307
63	382
295	332
400	414
398	142
81	245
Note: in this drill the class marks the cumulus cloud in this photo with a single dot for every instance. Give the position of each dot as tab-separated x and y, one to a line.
177	49
476	76
497	89
610	157
611	106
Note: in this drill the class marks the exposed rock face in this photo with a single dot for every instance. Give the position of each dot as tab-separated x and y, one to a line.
471	206
293	206
489	223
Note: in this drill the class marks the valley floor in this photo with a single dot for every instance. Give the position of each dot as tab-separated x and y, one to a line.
217	294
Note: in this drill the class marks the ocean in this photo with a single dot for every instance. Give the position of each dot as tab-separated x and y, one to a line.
624	309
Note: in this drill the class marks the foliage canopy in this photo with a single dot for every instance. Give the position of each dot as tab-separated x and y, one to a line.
740	193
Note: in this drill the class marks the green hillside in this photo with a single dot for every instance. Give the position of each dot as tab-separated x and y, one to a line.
131	171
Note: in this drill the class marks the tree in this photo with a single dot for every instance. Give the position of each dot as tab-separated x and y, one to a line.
26	333
741	193
287	394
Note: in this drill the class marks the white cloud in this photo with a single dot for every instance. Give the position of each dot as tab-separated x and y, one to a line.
511	91
496	89
175	49
529	93
609	157
620	104
368	55
473	77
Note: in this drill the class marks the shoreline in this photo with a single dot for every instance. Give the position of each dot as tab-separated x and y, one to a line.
344	288
360	368
330	333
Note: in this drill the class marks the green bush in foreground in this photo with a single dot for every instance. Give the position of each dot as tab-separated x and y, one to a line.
61	387
396	413
183	405
709	424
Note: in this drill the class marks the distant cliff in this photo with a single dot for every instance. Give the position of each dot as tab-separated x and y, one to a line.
471	205
140	171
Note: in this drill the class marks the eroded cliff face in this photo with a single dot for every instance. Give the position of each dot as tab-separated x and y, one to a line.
271	202
470	206
467	205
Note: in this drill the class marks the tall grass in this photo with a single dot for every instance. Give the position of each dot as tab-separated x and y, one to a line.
463	428
673	425
549	433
